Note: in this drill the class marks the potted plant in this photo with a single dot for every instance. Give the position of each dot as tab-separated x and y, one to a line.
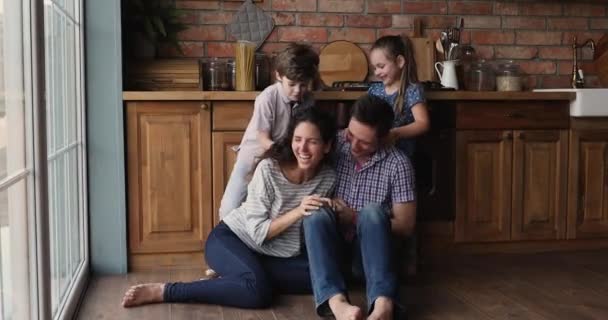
150	23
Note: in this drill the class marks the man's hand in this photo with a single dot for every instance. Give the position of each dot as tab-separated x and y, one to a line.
344	213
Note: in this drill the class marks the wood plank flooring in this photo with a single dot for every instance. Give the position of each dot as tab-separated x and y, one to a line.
571	285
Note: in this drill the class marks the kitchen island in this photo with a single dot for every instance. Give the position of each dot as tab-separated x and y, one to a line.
498	171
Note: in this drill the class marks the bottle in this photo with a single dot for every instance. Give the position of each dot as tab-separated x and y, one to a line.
508	77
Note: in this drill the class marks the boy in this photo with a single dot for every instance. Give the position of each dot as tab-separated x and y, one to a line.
296	68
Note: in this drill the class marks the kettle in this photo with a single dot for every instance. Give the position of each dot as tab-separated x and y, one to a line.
447	75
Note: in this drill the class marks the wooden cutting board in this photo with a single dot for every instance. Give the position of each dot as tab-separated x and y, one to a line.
424	53
342	61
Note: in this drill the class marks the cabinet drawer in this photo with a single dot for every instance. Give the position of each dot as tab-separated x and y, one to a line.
231	115
513	115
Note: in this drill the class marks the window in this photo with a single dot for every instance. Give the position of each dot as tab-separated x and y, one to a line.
64	166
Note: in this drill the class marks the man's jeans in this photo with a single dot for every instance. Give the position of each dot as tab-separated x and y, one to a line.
372	244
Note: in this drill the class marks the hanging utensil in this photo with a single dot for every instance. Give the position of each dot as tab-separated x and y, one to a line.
439	46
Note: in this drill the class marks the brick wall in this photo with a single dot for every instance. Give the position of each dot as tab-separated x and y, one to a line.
537	34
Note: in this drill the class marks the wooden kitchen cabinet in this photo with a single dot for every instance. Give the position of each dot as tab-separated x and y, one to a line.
588	187
483	185
230	119
511	160
169	182
511	185
540	166
224	157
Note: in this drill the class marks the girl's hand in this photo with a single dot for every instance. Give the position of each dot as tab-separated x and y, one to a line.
313	203
344	212
392	137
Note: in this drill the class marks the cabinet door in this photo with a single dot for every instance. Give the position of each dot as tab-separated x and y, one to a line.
539	184
224	156
588	187
483	185
169	168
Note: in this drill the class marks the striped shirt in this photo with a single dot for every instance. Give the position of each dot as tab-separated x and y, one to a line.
386	178
269	196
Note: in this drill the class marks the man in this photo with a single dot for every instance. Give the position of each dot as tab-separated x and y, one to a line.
374	204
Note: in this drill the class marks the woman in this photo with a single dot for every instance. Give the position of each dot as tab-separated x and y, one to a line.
258	246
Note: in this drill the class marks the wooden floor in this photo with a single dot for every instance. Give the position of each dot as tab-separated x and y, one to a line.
548	286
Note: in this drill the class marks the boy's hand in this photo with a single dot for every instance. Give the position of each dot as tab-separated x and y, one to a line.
265	140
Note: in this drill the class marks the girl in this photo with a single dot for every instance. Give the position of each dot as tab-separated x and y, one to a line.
393	61
258	246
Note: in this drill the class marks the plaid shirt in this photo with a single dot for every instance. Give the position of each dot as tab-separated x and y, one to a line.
387	178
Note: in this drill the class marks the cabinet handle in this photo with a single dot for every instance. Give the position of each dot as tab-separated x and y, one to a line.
522	136
507	136
204	106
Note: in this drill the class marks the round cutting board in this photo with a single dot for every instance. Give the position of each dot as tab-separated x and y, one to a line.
342	61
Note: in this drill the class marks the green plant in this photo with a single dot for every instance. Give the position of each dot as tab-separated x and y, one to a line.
156	20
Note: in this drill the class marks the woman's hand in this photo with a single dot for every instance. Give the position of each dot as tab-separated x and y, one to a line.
345	213
313	203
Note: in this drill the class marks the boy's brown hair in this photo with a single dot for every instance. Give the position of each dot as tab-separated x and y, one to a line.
298	62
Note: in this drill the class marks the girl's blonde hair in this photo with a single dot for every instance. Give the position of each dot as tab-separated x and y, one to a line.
393	47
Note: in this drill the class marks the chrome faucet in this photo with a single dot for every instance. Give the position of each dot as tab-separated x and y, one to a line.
577	78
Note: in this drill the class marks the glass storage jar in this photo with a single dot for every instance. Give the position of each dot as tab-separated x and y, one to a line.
481	77
508	77
231	74
214	74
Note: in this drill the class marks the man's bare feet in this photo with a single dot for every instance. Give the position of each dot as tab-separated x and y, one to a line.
343	310
383	309
143	294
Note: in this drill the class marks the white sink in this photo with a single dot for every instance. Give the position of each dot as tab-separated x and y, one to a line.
588	102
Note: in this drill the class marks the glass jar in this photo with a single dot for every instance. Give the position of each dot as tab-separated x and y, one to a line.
231	74
480	77
466	56
262	71
508	77
214	74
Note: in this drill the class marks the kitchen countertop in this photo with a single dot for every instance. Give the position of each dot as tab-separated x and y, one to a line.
343	95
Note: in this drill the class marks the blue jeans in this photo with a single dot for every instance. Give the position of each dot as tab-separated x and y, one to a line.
236	188
247	279
372	254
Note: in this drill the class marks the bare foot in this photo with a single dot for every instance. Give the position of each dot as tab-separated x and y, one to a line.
211	274
383	309
143	294
343	310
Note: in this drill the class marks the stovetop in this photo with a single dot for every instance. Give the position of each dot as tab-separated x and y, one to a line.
364	85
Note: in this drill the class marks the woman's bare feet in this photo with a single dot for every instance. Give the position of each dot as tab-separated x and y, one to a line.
383	309
143	294
343	310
